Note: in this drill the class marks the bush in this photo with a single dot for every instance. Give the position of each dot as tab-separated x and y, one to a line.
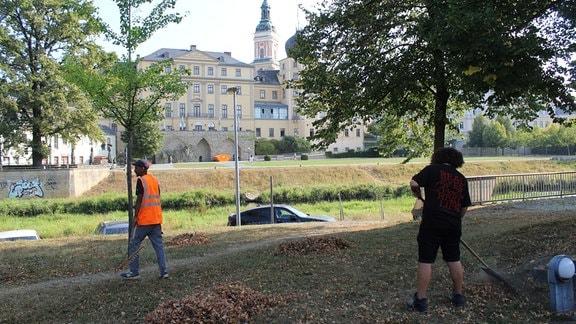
304	157
267	158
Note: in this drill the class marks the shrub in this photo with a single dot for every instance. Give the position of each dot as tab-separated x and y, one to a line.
304	157
267	158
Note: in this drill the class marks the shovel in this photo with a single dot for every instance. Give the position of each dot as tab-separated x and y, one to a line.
486	268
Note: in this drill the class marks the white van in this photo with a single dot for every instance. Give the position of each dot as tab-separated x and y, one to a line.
19	235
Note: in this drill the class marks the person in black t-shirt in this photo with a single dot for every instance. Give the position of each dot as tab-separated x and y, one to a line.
447	199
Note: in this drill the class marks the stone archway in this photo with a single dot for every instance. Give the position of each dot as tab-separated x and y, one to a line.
203	151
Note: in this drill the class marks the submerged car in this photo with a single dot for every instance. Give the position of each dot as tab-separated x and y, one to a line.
15	235
112	227
282	214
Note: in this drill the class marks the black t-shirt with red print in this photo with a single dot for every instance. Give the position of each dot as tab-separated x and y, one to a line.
446	193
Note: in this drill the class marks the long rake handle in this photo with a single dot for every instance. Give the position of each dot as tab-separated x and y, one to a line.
474	253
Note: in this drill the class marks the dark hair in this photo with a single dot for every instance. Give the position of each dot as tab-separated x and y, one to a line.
448	155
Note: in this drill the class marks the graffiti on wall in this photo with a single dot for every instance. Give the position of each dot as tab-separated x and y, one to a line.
25	188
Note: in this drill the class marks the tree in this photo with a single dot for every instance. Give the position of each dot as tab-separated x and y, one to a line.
421	62
475	136
124	91
494	135
147	139
37	99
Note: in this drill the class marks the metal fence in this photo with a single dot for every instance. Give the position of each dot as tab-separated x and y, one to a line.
485	189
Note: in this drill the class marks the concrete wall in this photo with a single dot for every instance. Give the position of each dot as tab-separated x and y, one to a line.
49	183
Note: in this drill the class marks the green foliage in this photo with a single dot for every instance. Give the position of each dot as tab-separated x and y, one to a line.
34	35
125	91
420	62
148	139
195	199
264	147
267	158
304	157
288	144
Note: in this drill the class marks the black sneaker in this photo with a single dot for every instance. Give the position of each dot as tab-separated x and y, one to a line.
418	304
457	300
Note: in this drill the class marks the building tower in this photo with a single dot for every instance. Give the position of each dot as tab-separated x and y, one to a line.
265	42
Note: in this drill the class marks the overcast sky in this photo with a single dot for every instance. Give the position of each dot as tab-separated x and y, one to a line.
217	25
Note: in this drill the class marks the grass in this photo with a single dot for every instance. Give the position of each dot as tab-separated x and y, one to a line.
73	280
73	277
77	225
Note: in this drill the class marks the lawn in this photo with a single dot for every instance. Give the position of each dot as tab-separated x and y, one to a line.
75	280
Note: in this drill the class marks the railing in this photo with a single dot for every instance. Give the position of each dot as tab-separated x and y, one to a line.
485	189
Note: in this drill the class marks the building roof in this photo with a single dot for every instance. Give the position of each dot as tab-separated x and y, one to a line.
107	130
224	58
269	77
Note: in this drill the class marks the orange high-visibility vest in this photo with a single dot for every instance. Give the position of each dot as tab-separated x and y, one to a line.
150	212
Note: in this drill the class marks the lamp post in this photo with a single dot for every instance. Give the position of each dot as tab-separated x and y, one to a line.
234	91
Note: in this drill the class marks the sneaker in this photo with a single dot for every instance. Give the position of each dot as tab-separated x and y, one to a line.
129	275
418	304
164	276
457	300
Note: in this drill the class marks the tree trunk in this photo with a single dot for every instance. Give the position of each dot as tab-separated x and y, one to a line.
129	187
440	108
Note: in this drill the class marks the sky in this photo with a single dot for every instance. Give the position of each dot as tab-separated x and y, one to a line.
216	25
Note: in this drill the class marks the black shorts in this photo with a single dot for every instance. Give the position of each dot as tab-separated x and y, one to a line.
429	240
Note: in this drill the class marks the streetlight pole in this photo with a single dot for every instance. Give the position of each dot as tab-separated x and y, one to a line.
234	91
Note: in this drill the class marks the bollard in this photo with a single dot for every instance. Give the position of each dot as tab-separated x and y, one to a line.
560	276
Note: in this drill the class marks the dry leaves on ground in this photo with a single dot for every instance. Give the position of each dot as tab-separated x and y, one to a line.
229	302
313	245
189	239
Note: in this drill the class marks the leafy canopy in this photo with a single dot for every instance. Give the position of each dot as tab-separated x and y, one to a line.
417	64
37	98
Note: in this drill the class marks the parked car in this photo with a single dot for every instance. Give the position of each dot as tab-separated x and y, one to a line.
112	227
282	214
19	235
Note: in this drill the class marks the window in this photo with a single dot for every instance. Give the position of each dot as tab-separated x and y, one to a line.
282	132
357	132
295	76
181	67
197	111
274	94
311	132
238	72
335	150
182	109
295	64
210	110
270	132
295	93
238	90
346	133
196	70
198	128
296	132
167	69
223	89
196	88
262	94
210	70
114	127
224	111
168	110
223	72
258	132
210	88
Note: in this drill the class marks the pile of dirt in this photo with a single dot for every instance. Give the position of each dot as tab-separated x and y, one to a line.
229	302
312	245
189	239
